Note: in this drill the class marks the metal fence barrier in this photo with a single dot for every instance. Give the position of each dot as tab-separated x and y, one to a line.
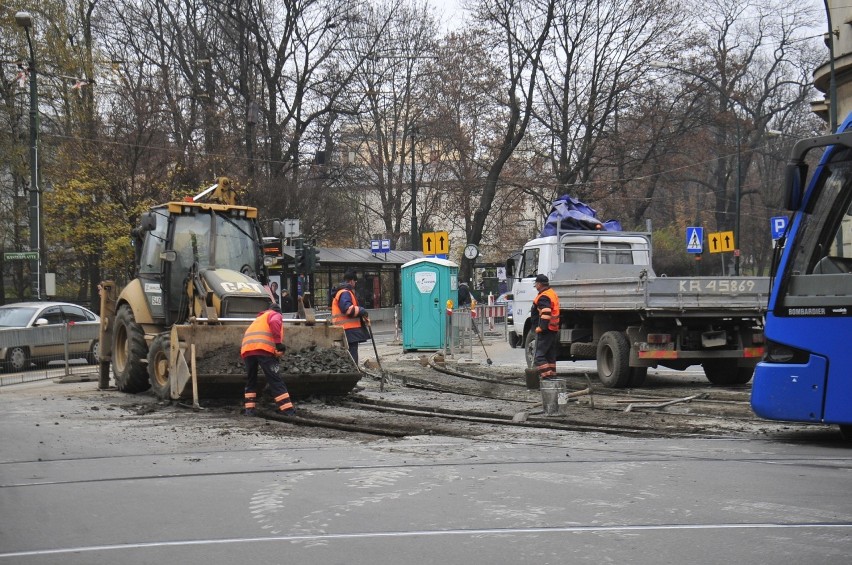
52	351
464	324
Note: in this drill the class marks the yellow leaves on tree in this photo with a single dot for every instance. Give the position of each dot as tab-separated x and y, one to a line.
83	224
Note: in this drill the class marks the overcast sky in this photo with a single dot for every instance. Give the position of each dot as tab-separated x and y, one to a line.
449	11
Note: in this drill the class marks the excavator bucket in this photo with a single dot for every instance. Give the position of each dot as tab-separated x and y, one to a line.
204	361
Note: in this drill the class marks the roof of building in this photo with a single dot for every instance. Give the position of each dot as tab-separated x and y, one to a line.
345	256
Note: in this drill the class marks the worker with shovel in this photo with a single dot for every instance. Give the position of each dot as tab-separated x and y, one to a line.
261	347
544	316
346	312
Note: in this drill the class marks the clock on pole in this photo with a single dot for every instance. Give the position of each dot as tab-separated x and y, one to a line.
471	251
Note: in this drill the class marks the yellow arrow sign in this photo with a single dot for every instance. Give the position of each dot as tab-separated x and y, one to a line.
436	242
721	241
442	242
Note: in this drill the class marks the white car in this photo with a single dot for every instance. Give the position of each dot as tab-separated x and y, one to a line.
44	346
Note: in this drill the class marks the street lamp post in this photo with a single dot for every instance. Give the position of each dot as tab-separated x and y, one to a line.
25	20
737	208
832	82
414	234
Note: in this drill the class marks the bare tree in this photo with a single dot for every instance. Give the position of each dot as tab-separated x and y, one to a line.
386	137
753	68
462	119
518	30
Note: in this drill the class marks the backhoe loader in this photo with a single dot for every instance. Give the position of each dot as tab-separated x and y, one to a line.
201	281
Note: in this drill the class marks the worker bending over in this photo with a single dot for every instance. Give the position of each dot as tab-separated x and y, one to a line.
262	346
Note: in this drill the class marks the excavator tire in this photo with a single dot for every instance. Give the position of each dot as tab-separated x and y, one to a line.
158	366
128	352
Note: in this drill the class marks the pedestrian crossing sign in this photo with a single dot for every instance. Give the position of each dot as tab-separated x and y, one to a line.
694	240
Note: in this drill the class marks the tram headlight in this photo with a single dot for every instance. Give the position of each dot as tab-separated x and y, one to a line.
780	353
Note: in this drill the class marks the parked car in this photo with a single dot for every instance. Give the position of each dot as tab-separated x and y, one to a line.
45	347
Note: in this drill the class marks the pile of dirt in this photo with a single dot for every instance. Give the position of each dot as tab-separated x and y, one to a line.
223	361
316	360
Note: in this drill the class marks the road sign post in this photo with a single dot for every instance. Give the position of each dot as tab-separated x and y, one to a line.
694	239
778	225
21	256
721	241
436	243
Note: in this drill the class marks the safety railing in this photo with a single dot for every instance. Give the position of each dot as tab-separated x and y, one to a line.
52	351
466	326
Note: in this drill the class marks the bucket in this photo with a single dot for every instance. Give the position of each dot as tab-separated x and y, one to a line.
554	397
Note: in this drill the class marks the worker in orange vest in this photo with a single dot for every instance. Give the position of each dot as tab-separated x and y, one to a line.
346	312
544	316
262	346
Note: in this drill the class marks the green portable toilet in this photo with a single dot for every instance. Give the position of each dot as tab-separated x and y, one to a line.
427	284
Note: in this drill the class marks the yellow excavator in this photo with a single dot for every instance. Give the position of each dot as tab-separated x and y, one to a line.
201	280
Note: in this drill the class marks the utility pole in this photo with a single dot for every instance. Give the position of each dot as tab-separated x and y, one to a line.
415	236
739	186
25	20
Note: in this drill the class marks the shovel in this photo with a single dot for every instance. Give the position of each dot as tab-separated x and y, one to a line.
376	351
476	331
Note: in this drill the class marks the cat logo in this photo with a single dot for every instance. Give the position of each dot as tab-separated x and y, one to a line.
244	287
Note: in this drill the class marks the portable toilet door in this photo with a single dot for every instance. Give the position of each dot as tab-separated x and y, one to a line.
427	284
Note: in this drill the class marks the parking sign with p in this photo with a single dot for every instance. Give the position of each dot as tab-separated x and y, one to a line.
778	226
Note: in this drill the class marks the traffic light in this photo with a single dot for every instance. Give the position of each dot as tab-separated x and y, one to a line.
301	260
311	258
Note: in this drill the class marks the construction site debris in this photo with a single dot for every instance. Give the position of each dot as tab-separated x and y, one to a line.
315	360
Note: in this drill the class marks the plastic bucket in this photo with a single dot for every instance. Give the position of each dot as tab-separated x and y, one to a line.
554	397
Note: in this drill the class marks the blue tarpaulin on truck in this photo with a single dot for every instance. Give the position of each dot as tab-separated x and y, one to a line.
568	213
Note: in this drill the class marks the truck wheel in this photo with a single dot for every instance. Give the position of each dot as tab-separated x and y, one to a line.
846	432
529	349
158	366
514	340
129	349
724	372
613	358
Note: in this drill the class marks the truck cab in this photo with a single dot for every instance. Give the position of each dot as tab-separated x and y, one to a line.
573	256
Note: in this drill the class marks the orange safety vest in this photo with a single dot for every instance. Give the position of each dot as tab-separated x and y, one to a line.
551	314
338	317
259	336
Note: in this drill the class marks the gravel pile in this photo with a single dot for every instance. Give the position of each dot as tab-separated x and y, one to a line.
227	361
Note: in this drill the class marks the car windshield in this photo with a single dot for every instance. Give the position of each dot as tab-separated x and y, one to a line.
15	317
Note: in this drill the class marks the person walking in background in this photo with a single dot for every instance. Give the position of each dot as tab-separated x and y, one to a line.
464	294
346	312
261	347
544	316
287	302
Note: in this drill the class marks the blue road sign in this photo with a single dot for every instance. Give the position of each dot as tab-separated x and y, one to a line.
694	240
380	245
778	225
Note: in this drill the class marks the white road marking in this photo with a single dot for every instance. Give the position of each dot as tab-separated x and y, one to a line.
429	533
